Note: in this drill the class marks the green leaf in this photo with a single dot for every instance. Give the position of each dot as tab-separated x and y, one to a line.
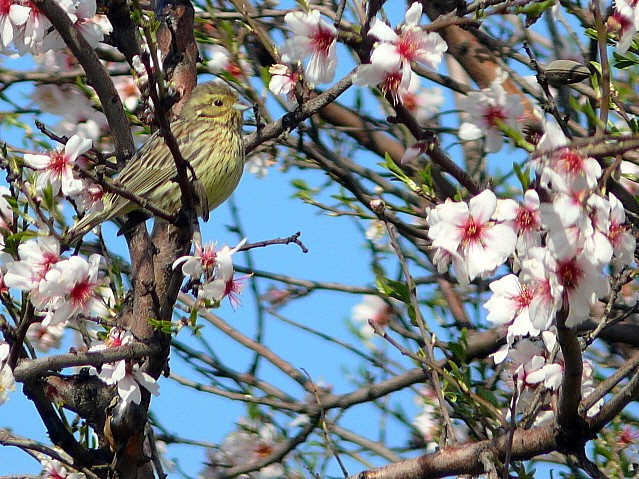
522	175
393	289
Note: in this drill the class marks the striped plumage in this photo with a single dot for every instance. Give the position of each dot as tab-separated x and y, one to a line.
209	134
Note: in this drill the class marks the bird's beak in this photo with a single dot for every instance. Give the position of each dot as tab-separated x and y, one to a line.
241	106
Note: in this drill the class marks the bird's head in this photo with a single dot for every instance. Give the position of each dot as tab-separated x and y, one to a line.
214	102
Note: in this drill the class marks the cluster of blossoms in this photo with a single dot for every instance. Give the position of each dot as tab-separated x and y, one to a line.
212	270
253	441
24	26
60	288
561	252
531	366
126	375
390	63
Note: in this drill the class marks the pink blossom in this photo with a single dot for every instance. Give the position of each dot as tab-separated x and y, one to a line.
201	262
524	218
509	305
389	81
372	309
74	286
56	168
37	257
126	375
556	162
469	232
223	287
46	337
12	15
54	469
410	43
316	38
283	82
489	110
249	444
546	299
619	234
29	36
626	16
83	16
7	382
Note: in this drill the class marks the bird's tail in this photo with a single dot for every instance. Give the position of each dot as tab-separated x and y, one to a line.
86	224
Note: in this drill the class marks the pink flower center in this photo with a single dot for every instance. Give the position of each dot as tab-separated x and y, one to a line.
408	46
113	341
472	231
81	293
5	5
526	219
493	114
208	258
48	260
571	161
615	232
525	297
58	163
391	85
322	40
569	274
263	450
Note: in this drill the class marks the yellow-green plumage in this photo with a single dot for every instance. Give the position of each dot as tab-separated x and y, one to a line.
209	134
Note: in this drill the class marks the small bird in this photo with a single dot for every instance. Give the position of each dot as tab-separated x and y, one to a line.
209	134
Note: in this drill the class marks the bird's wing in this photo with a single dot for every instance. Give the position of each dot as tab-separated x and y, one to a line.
157	162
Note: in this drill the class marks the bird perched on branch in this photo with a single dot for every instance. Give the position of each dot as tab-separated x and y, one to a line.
209	135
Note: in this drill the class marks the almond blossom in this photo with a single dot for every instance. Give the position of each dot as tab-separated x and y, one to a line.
250	443
489	111
509	305
389	80
557	162
283	82
125	374
74	286
619	234
12	15
37	257
314	38
525	219
44	338
215	270
372	309
56	168
472	234
410	43
30	33
7	382
56	470
572	281
626	16
81	13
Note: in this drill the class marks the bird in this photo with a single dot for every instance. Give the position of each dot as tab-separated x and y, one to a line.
208	131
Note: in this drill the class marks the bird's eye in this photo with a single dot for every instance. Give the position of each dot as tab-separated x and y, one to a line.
218	103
